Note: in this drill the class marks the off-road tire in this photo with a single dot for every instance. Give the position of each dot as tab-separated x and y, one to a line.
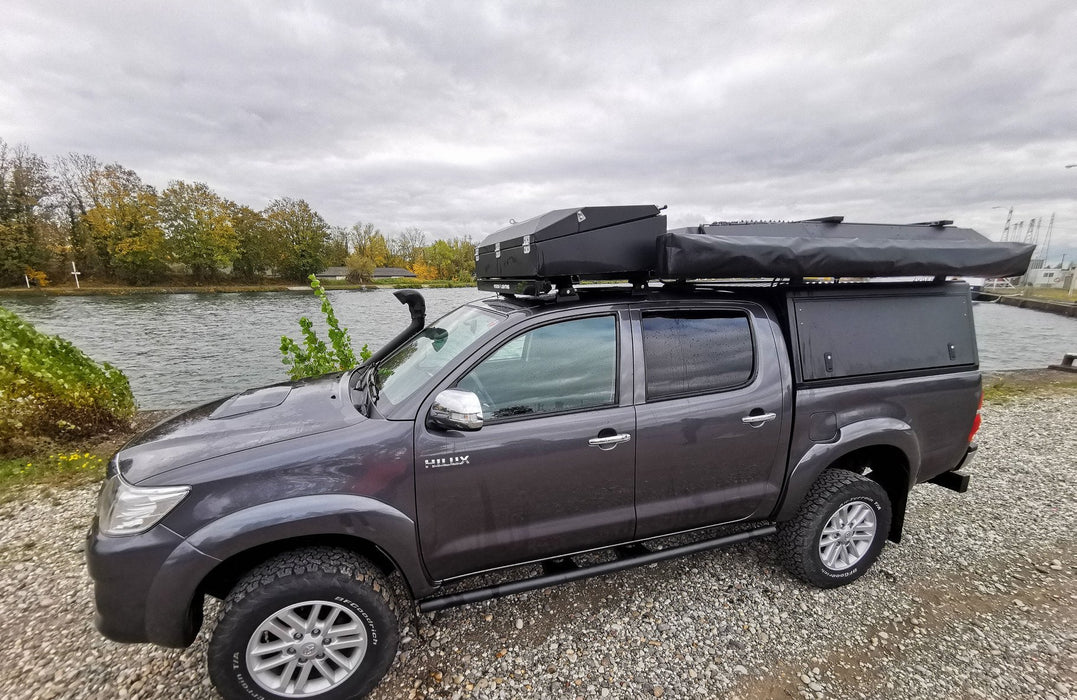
326	574
799	538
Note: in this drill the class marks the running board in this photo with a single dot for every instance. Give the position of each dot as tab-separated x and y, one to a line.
627	559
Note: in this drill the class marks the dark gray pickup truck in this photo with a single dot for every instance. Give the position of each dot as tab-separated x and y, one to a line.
528	429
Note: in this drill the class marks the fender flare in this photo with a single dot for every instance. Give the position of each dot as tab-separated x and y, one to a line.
175	586
872	432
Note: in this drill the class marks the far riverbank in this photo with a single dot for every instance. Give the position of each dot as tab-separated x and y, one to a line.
225	288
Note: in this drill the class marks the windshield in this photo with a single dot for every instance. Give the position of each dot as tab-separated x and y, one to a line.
419	359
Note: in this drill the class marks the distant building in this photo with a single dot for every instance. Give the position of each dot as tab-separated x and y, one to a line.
341	273
1046	277
333	273
386	272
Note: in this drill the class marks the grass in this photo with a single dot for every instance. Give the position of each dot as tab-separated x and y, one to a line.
1005	387
65	468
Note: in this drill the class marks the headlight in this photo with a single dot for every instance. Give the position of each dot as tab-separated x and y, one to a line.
123	509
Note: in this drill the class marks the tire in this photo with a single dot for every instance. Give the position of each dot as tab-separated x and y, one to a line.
836	501
320	593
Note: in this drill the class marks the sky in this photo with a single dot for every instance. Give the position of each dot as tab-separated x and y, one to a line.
457	117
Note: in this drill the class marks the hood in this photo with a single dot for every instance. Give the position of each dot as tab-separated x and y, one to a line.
251	419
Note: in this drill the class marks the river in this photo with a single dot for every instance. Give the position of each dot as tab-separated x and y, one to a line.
180	350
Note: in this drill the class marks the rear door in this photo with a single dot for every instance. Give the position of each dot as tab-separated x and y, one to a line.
711	418
551	470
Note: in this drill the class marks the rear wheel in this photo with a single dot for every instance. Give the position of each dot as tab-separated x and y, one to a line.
838	531
315	623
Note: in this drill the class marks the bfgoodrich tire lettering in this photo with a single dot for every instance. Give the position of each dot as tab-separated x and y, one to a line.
305	593
838	531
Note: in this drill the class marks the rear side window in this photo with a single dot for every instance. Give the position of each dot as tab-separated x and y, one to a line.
696	352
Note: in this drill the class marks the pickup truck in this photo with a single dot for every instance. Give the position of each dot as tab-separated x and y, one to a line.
528	429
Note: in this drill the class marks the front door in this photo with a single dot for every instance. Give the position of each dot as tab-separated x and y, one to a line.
550	472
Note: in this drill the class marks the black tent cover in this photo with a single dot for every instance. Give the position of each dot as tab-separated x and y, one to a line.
831	248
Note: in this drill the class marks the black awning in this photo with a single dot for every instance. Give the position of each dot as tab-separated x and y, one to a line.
829	249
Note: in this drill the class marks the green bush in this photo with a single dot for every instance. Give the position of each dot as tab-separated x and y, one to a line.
51	389
315	358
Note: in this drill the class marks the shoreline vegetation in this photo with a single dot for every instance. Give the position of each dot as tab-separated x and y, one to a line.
225	287
74	463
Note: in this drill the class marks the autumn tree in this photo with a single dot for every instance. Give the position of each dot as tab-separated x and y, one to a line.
198	228
125	226
370	242
24	225
336	249
304	235
406	247
76	191
258	248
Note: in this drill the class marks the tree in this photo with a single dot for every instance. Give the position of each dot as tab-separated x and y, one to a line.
406	246
24	227
258	248
360	268
303	233
198	228
125	226
75	193
367	240
336	252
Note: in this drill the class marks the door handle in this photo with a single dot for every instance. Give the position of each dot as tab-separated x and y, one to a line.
610	441
758	419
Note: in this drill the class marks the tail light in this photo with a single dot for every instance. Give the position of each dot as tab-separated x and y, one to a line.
976	420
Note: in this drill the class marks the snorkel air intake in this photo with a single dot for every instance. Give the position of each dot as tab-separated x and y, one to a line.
417	307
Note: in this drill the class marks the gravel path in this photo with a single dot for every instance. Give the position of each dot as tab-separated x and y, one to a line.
979	601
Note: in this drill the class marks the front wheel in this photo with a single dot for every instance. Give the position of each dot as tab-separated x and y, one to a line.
314	623
838	531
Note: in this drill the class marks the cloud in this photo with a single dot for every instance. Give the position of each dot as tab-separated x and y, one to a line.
458	117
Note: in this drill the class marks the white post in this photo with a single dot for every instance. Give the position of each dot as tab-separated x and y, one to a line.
76	273
25	277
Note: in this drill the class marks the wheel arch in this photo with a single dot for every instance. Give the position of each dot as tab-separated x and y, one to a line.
212	557
888	446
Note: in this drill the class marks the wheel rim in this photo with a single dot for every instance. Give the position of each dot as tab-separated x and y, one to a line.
306	649
847	536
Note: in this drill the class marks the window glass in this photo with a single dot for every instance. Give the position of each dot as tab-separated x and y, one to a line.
696	352
413	363
568	366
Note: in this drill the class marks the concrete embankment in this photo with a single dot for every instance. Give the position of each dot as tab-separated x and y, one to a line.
1063	308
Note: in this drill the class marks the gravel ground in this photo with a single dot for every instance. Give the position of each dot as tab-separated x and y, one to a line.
979	601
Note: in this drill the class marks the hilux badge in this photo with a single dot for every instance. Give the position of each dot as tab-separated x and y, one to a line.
439	462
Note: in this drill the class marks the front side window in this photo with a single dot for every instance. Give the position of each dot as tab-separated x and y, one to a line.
419	359
696	352
567	366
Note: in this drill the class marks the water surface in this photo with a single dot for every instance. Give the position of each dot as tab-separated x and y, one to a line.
184	349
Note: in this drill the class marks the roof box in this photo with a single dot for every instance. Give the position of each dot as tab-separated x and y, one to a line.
587	242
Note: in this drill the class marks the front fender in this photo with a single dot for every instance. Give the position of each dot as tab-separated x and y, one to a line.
176	583
872	432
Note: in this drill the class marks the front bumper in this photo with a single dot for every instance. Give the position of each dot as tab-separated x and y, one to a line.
145	586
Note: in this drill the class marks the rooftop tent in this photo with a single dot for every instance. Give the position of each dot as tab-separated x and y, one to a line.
831	248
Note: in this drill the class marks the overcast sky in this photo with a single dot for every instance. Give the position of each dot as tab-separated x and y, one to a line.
456	117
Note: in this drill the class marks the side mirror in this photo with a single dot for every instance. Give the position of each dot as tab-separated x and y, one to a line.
456	410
